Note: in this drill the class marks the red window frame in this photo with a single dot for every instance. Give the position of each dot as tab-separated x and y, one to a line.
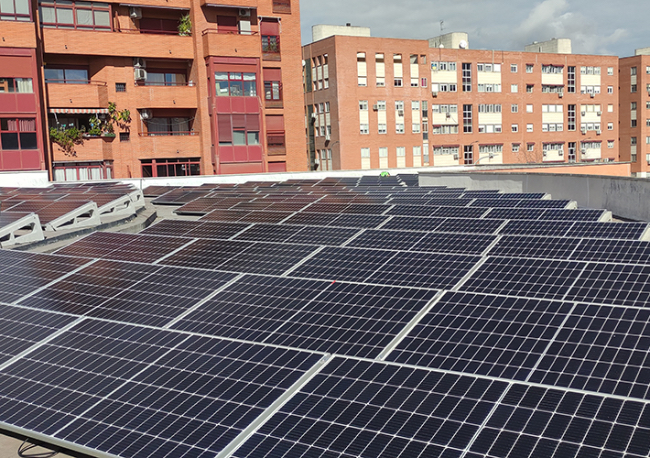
7	16
20	127
92	8
105	167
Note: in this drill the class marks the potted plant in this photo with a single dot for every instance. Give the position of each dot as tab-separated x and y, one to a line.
185	26
95	127
67	138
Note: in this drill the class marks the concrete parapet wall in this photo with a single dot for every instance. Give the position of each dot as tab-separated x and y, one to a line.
624	197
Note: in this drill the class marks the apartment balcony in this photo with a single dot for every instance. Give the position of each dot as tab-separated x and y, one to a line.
175	4
16	34
237	3
180	96
91	95
129	42
92	149
230	44
179	142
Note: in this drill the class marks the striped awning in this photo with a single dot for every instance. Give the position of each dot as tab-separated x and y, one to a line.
79	110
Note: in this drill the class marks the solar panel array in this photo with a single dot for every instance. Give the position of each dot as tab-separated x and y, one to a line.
343	317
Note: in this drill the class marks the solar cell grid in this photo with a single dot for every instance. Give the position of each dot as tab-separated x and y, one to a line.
535	247
413	223
534	421
528	227
360	408
542	203
483	335
171	227
104	358
544	278
352	264
495	202
477	226
265	217
358	221
572	215
225	215
620	230
619	284
449	202
268	232
323	235
314	219
412	210
460	212
387	240
627	251
442	242
516	213
210	230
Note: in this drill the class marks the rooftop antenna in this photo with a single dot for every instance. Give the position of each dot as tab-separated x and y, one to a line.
441	25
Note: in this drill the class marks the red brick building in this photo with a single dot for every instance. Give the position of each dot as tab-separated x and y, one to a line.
221	94
383	102
634	81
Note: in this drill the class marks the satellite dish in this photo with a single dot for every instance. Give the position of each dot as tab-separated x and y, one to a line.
462	44
441	45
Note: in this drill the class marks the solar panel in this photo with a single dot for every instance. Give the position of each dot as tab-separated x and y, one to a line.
527	227
314	219
99	380
543	278
351	264
412	210
602	349
225	215
535	247
626	251
573	215
442	242
619	284
323	235
442	202
461	212
358	221
516	213
630	231
542	203
534	421
388	240
269	232
483	334
148	295
495	202
476	226
197	229
370	409
413	223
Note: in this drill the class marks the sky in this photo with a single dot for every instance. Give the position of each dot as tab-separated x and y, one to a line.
609	27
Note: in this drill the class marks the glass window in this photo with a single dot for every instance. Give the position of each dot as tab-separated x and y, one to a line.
238	137
253	138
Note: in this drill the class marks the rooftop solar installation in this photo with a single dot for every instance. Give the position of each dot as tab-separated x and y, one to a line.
337	317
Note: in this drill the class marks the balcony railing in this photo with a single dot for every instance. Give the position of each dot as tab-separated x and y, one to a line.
150	31
167	134
228	31
282	6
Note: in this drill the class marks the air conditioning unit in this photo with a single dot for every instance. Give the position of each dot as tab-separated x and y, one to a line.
598	132
583	113
139	74
560	94
599	113
375	107
592	95
434	94
244	12
455	157
139	62
146	114
135	13
400	113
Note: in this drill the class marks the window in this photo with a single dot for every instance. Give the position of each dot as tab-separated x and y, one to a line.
399	105
632	105
423	82
235	84
272	91
443	66
633	71
81	171
381	105
441	130
515	147
495	68
571	117
16	85
610	144
15	10
514	108
489	108
120	87
415	127
530	147
590	70
362	76
610	108
170	78
489	87
66	14
571	80
647	122
66	75
125	137
490	149
443	87
514	88
171	167
552	108
380	70
415	105
365	158
529	68
633	123
363	105
397	82
610	126
169	126
399	128
513	68
610	89
382	128
363	129
467	77
17	134
633	88
270	31
552	89
529	88
467	118
514	128
610	71
529	127
444	150
529	108
552	69
444	108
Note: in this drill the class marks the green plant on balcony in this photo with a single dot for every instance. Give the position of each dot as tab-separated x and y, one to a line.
95	127
120	117
185	26
67	138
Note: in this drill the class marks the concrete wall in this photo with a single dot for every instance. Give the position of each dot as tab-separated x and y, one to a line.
318	32
36	179
555	45
450	40
624	197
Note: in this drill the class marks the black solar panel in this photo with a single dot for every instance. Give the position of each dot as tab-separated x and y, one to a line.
412	210
475	226
358	221
269	232
535	247
630	231
99	380
323	235
626	251
442	242
388	240
544	278
483	334
619	284
413	223
516	213
313	219
527	227
461	212
573	215
541	203
370	409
